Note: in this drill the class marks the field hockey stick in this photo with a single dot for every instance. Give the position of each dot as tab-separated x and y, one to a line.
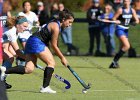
107	21
79	79
68	85
36	26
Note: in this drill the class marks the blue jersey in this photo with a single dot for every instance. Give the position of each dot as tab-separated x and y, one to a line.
125	17
107	28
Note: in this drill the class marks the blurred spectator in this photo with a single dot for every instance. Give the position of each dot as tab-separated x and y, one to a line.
108	30
42	13
32	20
136	5
5	12
66	35
54	11
94	27
116	3
6	7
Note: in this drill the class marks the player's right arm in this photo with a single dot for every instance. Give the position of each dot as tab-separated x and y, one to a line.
114	19
54	42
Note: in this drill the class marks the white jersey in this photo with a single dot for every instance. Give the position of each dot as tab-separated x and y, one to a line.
9	35
31	17
24	35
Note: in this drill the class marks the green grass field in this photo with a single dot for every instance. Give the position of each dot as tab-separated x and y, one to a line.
107	84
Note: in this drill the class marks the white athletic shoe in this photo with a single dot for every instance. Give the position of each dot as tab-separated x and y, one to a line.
2	76
47	90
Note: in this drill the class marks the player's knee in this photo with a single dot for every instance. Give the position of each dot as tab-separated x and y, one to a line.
29	70
127	47
51	64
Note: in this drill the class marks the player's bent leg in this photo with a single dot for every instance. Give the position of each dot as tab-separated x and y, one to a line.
47	57
30	64
125	43
125	47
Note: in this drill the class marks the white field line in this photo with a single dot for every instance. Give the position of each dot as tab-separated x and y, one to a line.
114	90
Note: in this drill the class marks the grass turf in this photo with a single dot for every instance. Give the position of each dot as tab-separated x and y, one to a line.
107	84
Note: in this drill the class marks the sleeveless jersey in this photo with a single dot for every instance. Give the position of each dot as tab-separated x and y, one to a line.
125	18
44	34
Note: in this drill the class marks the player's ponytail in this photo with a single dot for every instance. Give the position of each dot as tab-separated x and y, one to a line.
10	22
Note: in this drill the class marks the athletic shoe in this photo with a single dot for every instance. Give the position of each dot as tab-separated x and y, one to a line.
47	90
7	86
114	65
2	76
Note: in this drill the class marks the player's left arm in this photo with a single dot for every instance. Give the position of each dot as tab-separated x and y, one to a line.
135	16
17	50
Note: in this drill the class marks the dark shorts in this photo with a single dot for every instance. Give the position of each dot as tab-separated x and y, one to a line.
34	45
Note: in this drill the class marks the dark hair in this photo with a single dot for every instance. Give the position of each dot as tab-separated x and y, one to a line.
23	4
65	14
